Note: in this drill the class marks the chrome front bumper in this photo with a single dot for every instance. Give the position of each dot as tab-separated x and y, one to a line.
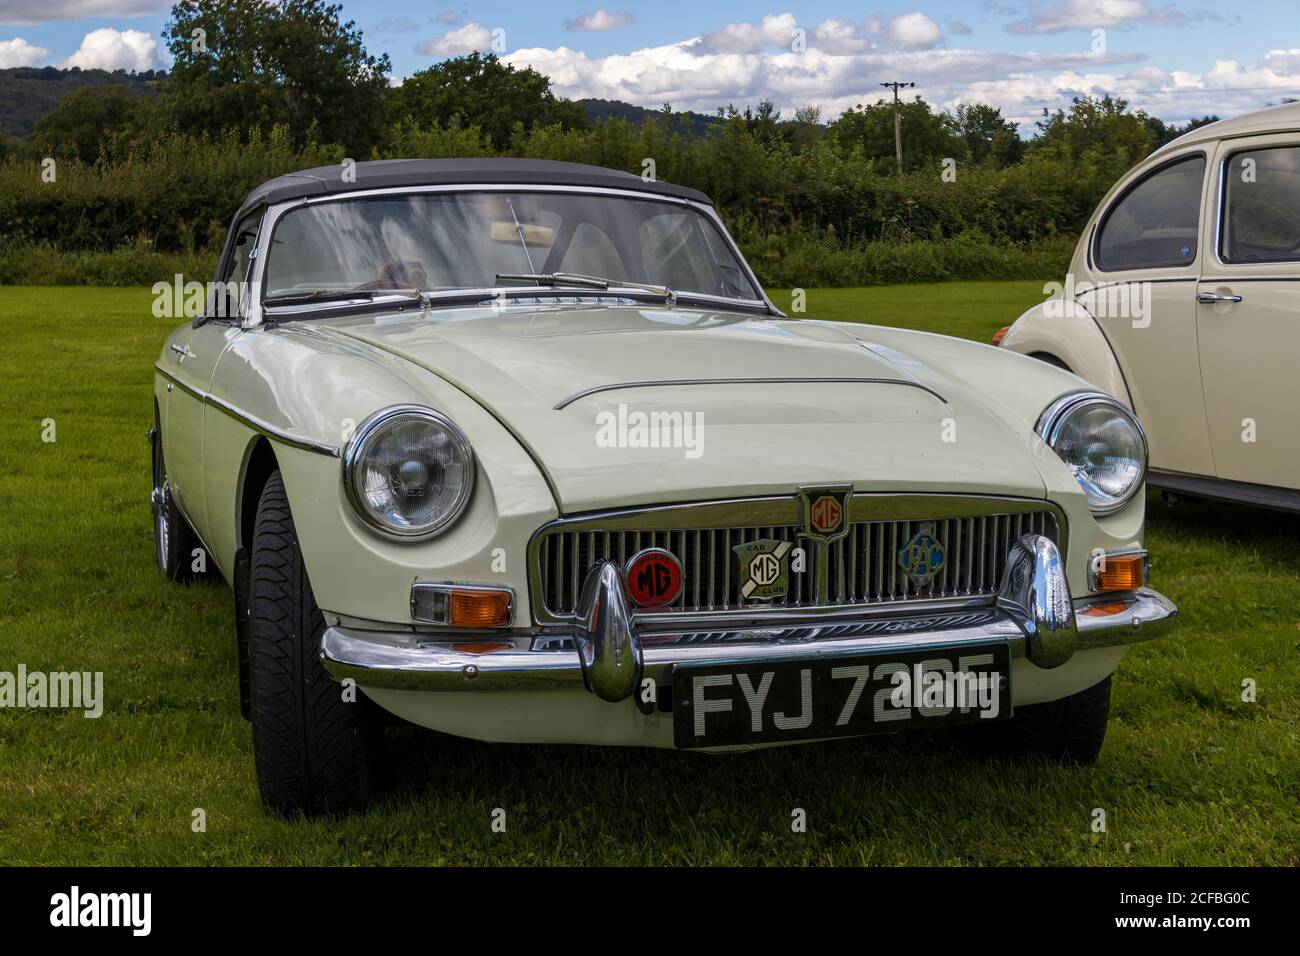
605	653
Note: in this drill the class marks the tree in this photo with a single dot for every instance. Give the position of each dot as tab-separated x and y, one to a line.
806	129
928	137
1099	133
988	137
479	90
90	117
246	63
762	123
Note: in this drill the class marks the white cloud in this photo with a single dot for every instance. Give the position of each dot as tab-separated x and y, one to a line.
775	30
18	52
109	49
1284	61
599	20
914	31
26	12
466	39
1092	14
747	62
839	36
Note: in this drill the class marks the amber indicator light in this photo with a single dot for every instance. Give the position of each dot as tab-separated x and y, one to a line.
473	608
1121	572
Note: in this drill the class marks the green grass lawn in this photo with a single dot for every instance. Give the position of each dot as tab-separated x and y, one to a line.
972	310
1190	774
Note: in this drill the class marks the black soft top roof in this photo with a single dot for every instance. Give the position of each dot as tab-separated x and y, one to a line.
388	173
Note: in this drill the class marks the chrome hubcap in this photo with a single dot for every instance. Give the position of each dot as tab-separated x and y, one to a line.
161	530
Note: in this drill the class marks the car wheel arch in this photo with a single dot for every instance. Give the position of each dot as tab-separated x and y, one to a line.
1051	359
259	464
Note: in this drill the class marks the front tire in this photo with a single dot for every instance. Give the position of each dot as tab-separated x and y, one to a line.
315	752
1068	731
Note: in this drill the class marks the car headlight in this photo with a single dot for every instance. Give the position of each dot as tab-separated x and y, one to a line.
1101	442
408	471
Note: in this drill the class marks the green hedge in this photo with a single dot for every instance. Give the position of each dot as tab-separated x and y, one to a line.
178	193
779	261
818	217
139	264
177	197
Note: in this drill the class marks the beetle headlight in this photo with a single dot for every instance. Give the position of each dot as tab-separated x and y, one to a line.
408	471
1101	442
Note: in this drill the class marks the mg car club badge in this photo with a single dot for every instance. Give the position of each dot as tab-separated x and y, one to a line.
824	511
764	569
923	557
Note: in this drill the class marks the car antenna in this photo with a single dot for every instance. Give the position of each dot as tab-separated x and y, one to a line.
520	231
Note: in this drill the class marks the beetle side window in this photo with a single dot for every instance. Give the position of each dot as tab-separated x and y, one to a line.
1262	206
1154	224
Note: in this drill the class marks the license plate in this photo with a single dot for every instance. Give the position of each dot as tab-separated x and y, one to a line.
722	705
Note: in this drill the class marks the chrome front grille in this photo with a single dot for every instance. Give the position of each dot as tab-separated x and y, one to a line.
859	569
864	569
710	579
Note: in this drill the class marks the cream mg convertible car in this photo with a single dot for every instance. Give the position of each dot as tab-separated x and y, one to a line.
520	451
1183	301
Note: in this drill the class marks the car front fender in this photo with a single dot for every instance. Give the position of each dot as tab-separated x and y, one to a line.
1066	331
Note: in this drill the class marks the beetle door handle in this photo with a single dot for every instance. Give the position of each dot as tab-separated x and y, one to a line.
1216	297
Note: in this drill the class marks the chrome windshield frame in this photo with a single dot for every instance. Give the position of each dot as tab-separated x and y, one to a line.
257	314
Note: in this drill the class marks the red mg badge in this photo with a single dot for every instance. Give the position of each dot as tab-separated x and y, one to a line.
654	578
826	514
824	511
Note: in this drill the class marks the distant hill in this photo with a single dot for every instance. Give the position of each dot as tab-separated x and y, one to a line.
695	124
28	93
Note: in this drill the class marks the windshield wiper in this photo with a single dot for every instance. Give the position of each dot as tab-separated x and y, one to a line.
586	282
339	295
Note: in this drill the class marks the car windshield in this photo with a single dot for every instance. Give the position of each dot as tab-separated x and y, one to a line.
475	240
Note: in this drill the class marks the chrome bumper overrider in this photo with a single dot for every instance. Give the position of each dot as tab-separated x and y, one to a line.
606	653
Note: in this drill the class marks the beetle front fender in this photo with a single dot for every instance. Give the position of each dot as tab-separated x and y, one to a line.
1067	331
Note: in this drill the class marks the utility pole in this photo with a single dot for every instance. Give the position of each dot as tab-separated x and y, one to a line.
898	121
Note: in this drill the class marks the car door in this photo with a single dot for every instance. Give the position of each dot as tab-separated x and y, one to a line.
1143	265
190	359
1248	312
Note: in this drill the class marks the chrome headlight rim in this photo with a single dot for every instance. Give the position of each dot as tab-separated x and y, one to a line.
354	453
1053	419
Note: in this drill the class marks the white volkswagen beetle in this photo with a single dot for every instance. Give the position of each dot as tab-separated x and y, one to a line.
520	451
1183	301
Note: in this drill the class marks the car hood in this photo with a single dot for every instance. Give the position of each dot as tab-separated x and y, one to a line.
707	404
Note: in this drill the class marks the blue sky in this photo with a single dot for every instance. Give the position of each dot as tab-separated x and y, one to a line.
1175	58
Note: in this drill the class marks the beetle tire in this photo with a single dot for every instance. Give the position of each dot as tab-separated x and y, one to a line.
1068	731
315	753
1050	359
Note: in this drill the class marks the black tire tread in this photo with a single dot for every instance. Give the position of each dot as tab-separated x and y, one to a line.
314	752
1070	730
